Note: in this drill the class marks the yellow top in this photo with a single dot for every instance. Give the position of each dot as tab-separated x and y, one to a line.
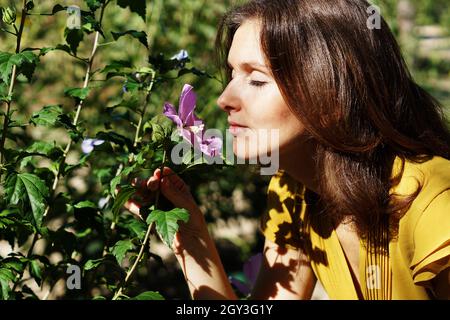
417	254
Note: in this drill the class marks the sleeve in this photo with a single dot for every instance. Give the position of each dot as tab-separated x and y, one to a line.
281	221
432	240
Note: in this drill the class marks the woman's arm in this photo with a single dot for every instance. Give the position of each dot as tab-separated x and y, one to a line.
284	274
197	255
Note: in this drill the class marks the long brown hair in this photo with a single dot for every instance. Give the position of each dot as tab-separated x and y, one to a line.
352	90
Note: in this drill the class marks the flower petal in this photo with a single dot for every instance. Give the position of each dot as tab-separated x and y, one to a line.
87	146
187	103
212	146
251	268
241	286
181	55
189	136
171	113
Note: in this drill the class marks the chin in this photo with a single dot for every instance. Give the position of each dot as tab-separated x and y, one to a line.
250	152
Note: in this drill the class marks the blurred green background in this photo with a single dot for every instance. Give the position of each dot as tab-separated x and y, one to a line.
233	202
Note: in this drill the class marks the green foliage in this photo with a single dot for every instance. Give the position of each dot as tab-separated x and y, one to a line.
27	189
149	295
77	134
167	222
137	6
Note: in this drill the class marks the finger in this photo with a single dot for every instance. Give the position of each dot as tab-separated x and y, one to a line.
152	183
133	207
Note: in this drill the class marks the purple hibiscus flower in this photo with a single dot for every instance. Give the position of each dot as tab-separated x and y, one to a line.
88	145
191	128
251	269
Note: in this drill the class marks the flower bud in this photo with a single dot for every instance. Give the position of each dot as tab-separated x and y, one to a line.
9	15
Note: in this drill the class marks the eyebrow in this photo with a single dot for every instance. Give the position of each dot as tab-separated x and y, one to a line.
251	65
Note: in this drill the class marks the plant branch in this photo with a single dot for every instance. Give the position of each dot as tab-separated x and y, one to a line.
79	106
142	115
146	238
4	30
11	86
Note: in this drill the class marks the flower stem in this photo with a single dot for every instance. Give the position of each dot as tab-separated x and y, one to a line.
146	238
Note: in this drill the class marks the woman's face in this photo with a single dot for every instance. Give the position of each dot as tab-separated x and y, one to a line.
253	100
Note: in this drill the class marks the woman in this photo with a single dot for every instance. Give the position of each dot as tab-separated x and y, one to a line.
361	201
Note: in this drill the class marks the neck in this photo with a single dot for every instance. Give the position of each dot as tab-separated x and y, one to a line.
299	163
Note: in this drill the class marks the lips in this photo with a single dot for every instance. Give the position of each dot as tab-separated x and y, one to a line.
236	128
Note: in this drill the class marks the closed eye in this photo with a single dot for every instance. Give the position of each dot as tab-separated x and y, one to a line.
257	83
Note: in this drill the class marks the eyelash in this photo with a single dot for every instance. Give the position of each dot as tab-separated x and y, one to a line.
257	83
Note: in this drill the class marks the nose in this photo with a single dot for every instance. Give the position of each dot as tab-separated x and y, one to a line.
229	100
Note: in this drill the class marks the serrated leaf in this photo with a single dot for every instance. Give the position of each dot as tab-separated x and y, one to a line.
137	6
78	93
46	149
167	222
47	116
25	62
140	35
149	295
124	194
120	249
139	228
28	188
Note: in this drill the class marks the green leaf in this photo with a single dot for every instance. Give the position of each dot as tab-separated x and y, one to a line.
48	116
30	5
77	93
117	65
25	62
120	249
28	188
6	276
85	204
13	263
149	295
124	194
138	227
140	35
92	264
57	8
4	93
73	38
167	222
115	138
114	182
94	4
137	6
45	149
35	271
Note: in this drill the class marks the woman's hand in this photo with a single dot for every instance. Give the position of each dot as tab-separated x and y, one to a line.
178	193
